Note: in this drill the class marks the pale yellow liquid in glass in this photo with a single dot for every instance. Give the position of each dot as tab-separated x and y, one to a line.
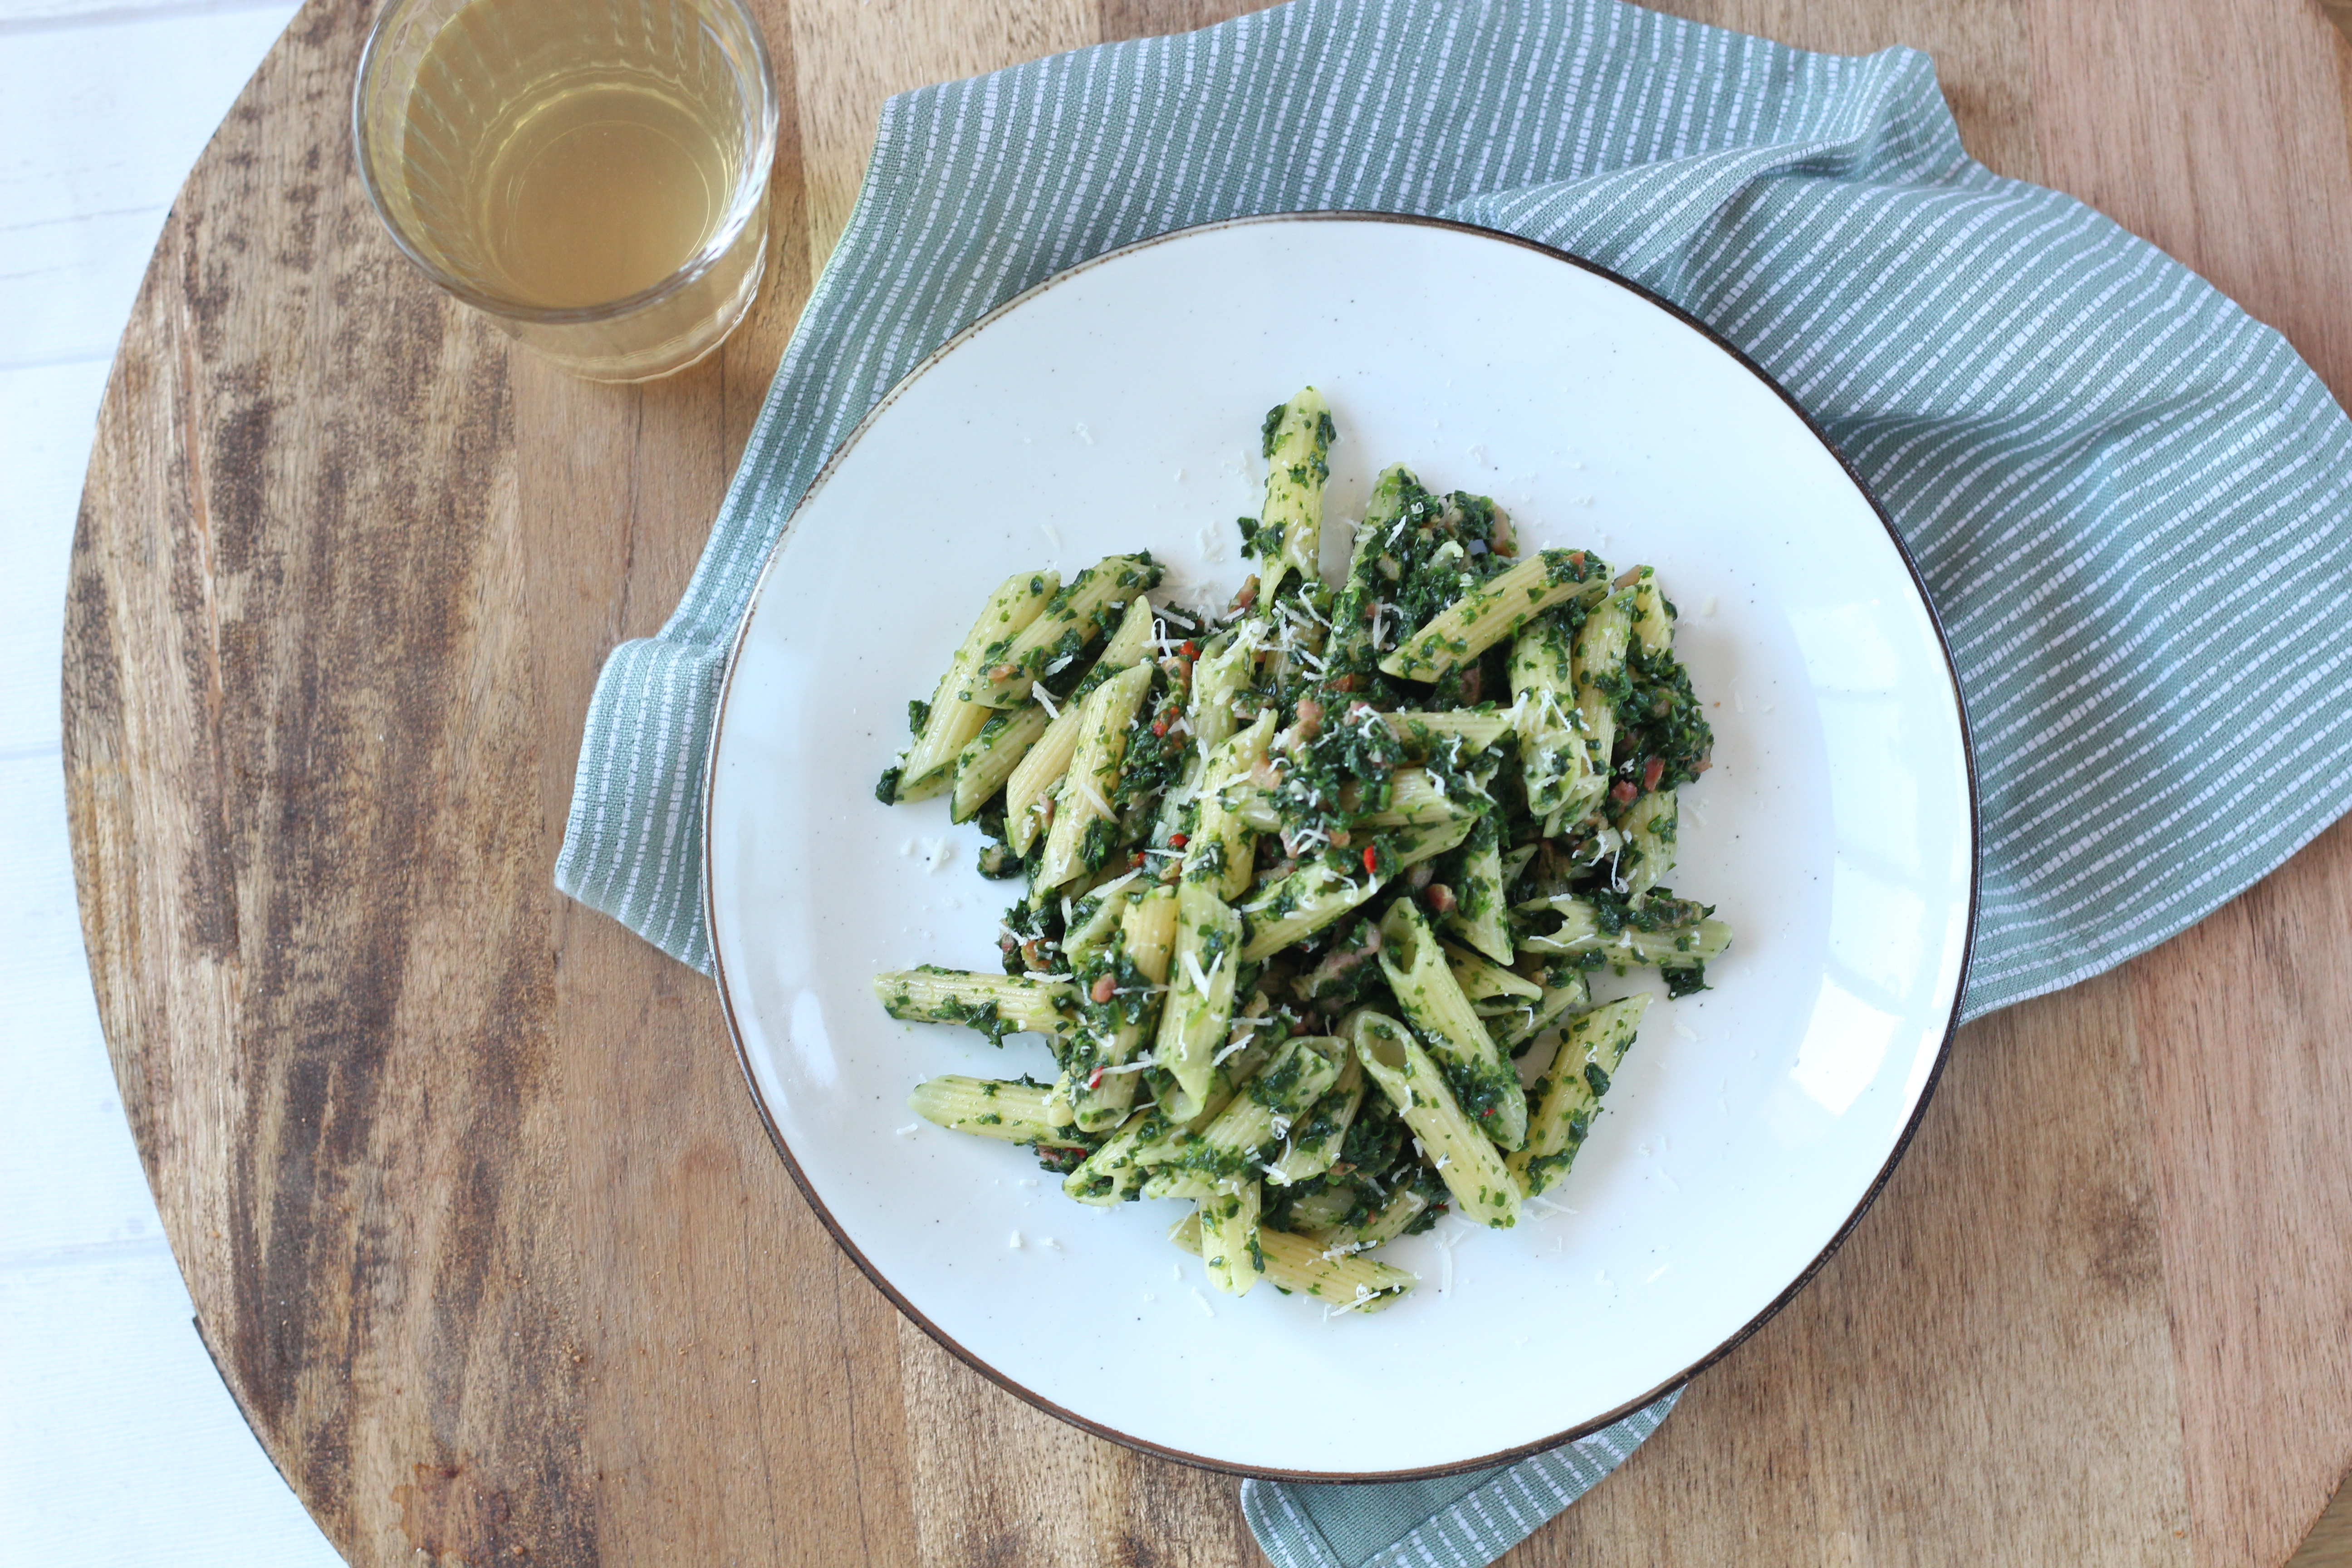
561	166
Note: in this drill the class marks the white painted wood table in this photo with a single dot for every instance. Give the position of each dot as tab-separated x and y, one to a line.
118	1443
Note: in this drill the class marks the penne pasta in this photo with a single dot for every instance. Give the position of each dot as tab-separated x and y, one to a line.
1568	1095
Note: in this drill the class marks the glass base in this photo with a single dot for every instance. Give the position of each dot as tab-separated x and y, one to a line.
683	329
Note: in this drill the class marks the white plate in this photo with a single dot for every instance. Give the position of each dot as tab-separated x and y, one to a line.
1117	406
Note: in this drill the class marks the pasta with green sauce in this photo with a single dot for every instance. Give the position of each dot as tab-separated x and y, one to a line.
1313	887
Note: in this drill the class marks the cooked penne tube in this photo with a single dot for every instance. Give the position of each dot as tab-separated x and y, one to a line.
1555	761
1294	1262
1312	896
1238	1146
1599	664
1221	675
1200	991
1653	621
1229	1245
1485	1082
1479	916
1590	1050
1391	1220
984	764
1097	1082
1117	1171
1468	1164
995	1004
1296	441
1500	608
992	1107
1481	977
1081	612
1083	819
1650	826
1028	789
1354	616
1222	852
1314	1140
1515	1030
1665	933
955	716
1417	798
1422	732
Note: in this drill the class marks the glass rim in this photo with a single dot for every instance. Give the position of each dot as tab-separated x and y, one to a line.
740	210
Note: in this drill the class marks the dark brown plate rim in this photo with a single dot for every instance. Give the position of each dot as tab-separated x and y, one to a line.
1584	1428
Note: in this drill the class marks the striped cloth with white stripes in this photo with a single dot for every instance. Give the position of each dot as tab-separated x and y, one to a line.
2128	499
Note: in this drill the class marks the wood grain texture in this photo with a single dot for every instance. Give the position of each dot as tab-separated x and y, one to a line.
479	1221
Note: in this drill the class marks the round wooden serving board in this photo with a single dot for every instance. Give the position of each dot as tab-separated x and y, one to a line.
478	1219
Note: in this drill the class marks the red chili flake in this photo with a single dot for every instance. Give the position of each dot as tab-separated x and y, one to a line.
1191	648
1135	858
1103	989
1160	726
1094	1077
1622	792
1178	840
1372	859
1488	1112
1576	559
1651	771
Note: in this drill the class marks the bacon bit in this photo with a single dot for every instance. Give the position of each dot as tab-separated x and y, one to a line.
1341	1167
1506	542
1576	559
1372	859
1341	838
1103	987
1622	792
1705	761
1004	672
1247	595
1349	683
1160	726
1440	896
1310	718
1632	576
1094	1077
1178	840
1032	955
1189	649
1420	875
1651	771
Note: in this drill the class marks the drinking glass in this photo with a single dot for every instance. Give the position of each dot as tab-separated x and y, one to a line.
590	175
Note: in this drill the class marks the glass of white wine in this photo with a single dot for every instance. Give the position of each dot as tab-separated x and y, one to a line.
592	174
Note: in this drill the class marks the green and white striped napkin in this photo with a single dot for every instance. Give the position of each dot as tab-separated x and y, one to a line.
2128	499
